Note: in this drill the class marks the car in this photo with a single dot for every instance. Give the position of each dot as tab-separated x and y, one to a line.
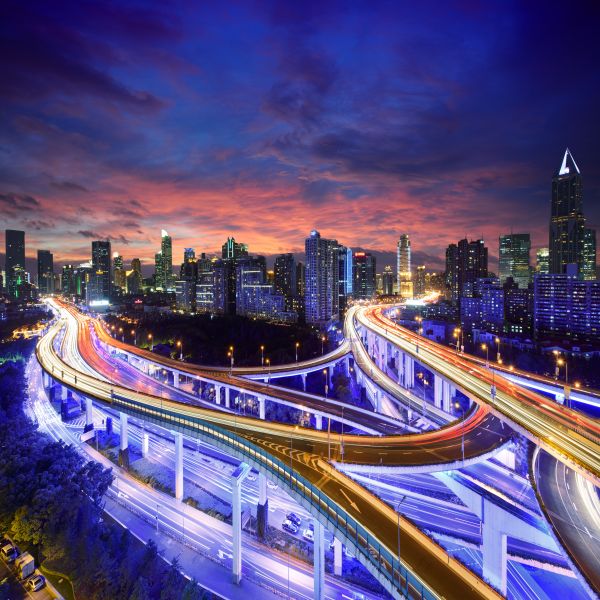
8	552
272	485
294	518
252	477
35	583
289	526
309	535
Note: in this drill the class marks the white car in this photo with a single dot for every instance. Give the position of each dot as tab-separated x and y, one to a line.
252	477
272	485
309	535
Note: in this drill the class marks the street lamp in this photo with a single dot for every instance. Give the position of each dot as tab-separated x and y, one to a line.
458	334
268	371
322	345
133	333
122	335
398	511
325	372
297	346
262	356
419	320
498	356
151	342
230	356
180	346
559	363
462	437
425	384
487	354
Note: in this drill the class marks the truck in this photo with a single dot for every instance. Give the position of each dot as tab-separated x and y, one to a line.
25	565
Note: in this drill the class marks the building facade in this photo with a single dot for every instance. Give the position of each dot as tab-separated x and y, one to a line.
514	258
45	269
321	296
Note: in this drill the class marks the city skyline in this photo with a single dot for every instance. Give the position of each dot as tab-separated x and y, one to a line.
201	131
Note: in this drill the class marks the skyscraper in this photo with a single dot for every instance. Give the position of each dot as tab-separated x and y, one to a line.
321	279
465	263
364	276
345	276
567	223
388	280
15	261
45	267
98	289
542	264
285	277
119	274
233	249
588	271
403	267
514	250
164	279
420	282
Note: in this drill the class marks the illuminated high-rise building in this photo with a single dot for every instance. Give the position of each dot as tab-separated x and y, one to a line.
119	274
45	266
567	223
98	289
588	271
15	261
387	280
403	267
364	276
466	262
164	279
345	276
420	283
513	256
284	278
542	264
321	279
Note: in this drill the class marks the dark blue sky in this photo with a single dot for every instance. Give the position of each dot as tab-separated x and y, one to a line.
267	119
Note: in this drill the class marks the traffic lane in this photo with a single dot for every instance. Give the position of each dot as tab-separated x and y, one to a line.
367	509
571	516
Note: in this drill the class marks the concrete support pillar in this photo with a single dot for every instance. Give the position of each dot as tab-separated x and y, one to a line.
124	445
145	443
303	375
175	379
330	377
409	372
438	384
218	394
319	561
63	392
236	518
319	422
337	557
494	556
46	380
89	415
447	396
261	407
377	400
347	366
227	402
178	466
262	509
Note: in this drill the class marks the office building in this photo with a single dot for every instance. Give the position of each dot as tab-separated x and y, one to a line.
420	281
321	298
98	287
205	286
284	278
233	250
345	277
163	260
403	267
15	262
45	268
542	264
588	272
185	286
364	268
518	308
484	308
567	223
566	308
513	258
119	273
466	262
387	281
67	280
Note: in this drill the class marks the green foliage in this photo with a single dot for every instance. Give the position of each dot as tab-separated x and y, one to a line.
51	501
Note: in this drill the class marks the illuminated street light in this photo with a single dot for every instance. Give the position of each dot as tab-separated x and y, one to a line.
462	440
487	354
262	355
180	346
498	356
297	346
151	342
326	373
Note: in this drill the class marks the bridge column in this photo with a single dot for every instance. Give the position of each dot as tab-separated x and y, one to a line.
494	552
47	382
145	443
337	557
262	508
178	466
175	379
330	376
64	391
377	400
218	394
319	561
261	407
347	366
438	384
124	445
303	375
319	422
236	503
446	396
227	403
409	371
89	415
400	367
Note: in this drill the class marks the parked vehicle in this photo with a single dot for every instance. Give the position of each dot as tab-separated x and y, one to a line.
35	583
309	535
294	518
272	485
290	527
25	565
8	552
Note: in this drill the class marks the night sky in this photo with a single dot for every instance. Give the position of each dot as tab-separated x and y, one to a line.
265	120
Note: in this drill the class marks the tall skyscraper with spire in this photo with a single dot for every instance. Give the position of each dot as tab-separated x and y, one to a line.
403	267
567	222
164	279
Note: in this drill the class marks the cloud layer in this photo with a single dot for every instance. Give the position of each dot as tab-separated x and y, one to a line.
264	120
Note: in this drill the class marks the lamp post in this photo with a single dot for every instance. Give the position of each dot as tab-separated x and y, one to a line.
462	436
322	345
487	355
498	356
398	511
262	355
297	346
419	320
268	372
150	339
326	383
559	363
230	356
122	334
425	384
133	333
180	346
